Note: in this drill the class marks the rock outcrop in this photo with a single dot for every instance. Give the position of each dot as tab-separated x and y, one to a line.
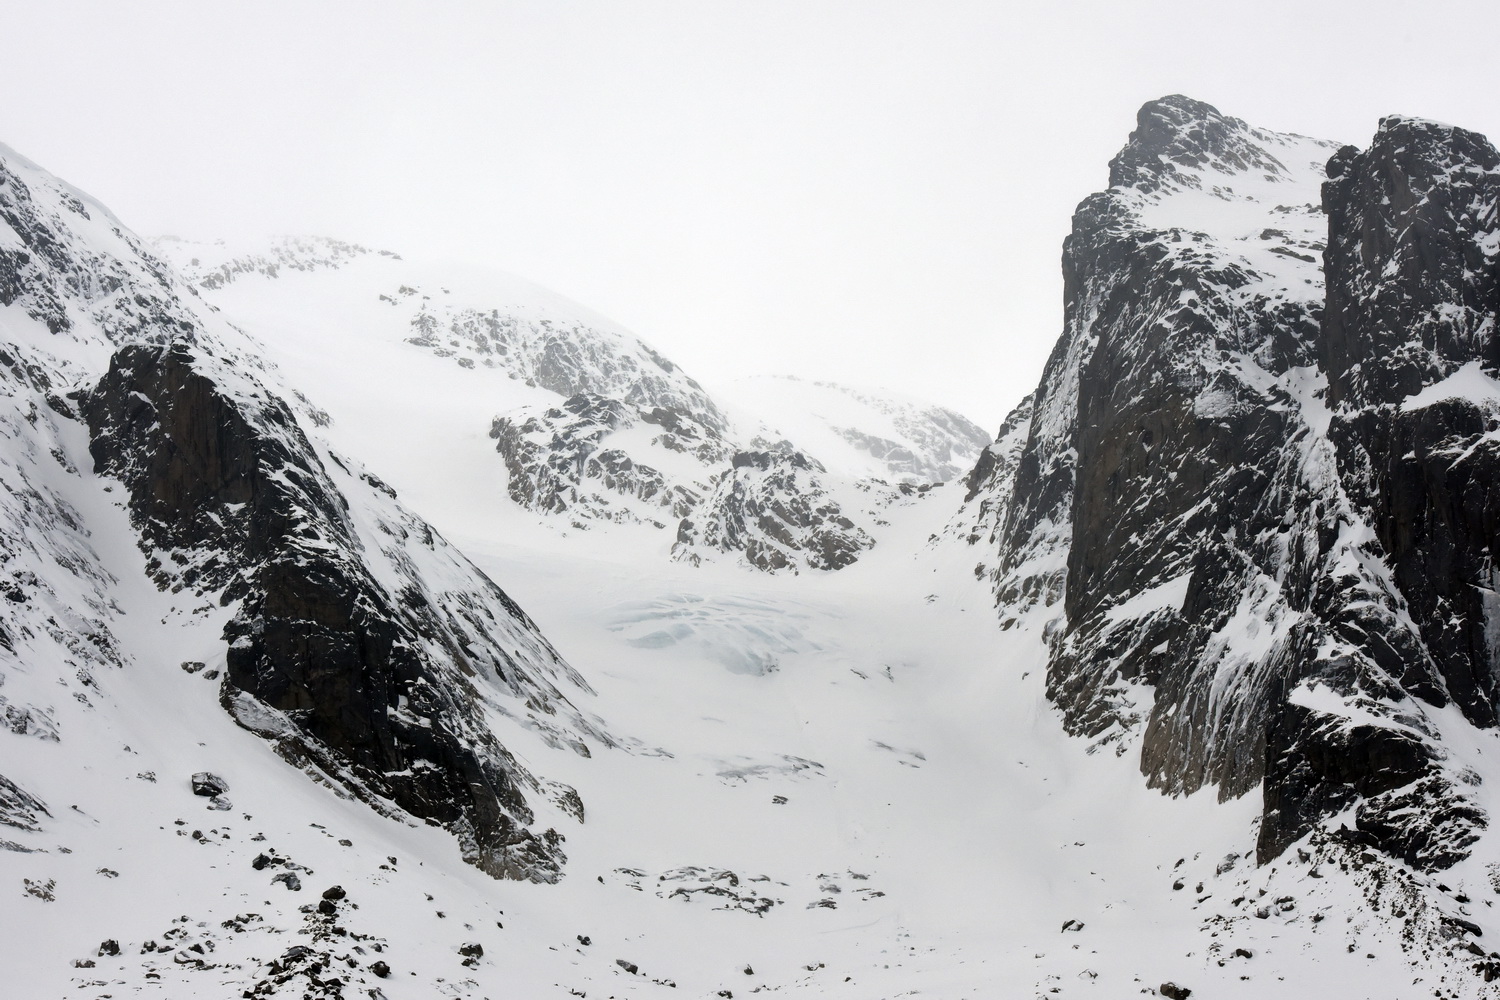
1255	541
356	652
371	654
773	510
587	459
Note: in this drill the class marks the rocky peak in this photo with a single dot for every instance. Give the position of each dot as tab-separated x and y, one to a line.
1411	260
1254	588
1176	138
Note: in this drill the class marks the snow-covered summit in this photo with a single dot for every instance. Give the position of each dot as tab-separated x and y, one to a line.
860	433
584	422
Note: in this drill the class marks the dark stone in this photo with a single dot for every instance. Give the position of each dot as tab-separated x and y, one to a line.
629	967
472	949
334	892
327	907
109	947
210	785
1174	992
1407	218
1467	926
380	969
1410	291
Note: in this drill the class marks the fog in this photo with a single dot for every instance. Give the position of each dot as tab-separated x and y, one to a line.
872	192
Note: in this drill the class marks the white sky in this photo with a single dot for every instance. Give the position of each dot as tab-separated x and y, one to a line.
871	192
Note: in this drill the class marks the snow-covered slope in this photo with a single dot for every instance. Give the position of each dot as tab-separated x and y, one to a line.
372	655
590	421
592	426
858	784
859	433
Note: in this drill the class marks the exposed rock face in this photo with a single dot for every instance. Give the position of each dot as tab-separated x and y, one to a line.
988	488
365	649
1412	286
582	458
1409	348
1413	293
369	682
1192	517
19	808
772	507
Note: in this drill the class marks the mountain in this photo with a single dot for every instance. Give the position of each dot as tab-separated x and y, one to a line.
594	427
858	432
367	651
610	429
1249	506
1182	683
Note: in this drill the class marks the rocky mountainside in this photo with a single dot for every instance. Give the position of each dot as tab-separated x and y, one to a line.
594	427
619	432
1254	505
367	651
271	729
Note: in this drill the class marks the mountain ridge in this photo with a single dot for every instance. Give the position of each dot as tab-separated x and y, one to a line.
1236	542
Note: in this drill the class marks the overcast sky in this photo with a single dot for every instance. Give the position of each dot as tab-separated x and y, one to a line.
869	192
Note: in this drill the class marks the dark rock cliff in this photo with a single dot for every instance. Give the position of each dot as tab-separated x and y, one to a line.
372	688
1413	294
1223	497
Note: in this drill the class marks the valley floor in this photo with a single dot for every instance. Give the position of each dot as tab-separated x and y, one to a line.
832	784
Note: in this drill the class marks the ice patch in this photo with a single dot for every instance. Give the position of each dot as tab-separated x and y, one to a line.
745	634
1164	596
1470	382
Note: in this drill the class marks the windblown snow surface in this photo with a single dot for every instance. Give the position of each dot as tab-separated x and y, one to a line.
828	784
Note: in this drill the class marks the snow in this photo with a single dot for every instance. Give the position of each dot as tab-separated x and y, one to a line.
1470	381
818	417
930	793
1169	595
1269	224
